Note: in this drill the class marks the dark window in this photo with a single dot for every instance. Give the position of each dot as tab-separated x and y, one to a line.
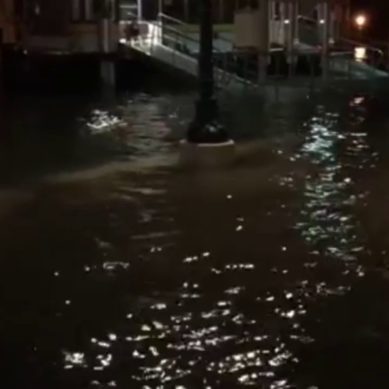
242	4
230	7
19	8
90	10
150	9
277	10
77	13
49	17
194	11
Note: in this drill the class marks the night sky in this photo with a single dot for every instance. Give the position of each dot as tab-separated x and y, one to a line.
378	11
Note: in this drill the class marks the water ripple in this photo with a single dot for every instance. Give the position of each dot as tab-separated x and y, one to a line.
172	281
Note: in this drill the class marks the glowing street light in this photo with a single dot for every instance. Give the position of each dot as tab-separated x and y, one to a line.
361	21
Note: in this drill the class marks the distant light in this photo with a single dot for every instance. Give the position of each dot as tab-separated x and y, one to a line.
358	100
123	41
361	21
322	21
287	21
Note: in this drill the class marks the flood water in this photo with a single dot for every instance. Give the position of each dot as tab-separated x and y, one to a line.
121	270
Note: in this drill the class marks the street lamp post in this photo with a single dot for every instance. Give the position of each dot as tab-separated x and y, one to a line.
205	128
105	10
324	28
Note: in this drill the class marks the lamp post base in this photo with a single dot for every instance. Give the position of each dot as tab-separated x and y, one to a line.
205	127
207	143
207	155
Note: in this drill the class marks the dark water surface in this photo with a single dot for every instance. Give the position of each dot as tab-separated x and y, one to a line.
119	270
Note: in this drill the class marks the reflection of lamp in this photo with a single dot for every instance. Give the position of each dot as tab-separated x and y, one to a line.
360	53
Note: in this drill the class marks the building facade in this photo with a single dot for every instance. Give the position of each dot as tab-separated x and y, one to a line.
9	21
66	25
224	10
89	26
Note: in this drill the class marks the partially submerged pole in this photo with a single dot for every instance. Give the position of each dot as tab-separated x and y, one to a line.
290	29
205	127
324	30
263	41
207	142
105	27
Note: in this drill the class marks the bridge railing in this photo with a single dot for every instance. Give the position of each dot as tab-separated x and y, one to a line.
376	56
174	35
230	63
243	65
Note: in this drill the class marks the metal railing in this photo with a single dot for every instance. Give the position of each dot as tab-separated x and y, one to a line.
176	36
242	66
375	56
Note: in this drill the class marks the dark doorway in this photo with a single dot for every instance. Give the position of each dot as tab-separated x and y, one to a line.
48	17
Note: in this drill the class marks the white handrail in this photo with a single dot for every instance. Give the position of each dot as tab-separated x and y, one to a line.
177	21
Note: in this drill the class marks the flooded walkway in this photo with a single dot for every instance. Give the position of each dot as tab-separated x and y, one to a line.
119	270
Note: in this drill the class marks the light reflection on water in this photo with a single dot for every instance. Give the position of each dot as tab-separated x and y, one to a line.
178	282
328	223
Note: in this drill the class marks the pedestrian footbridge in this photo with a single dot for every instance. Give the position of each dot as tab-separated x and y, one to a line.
172	42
